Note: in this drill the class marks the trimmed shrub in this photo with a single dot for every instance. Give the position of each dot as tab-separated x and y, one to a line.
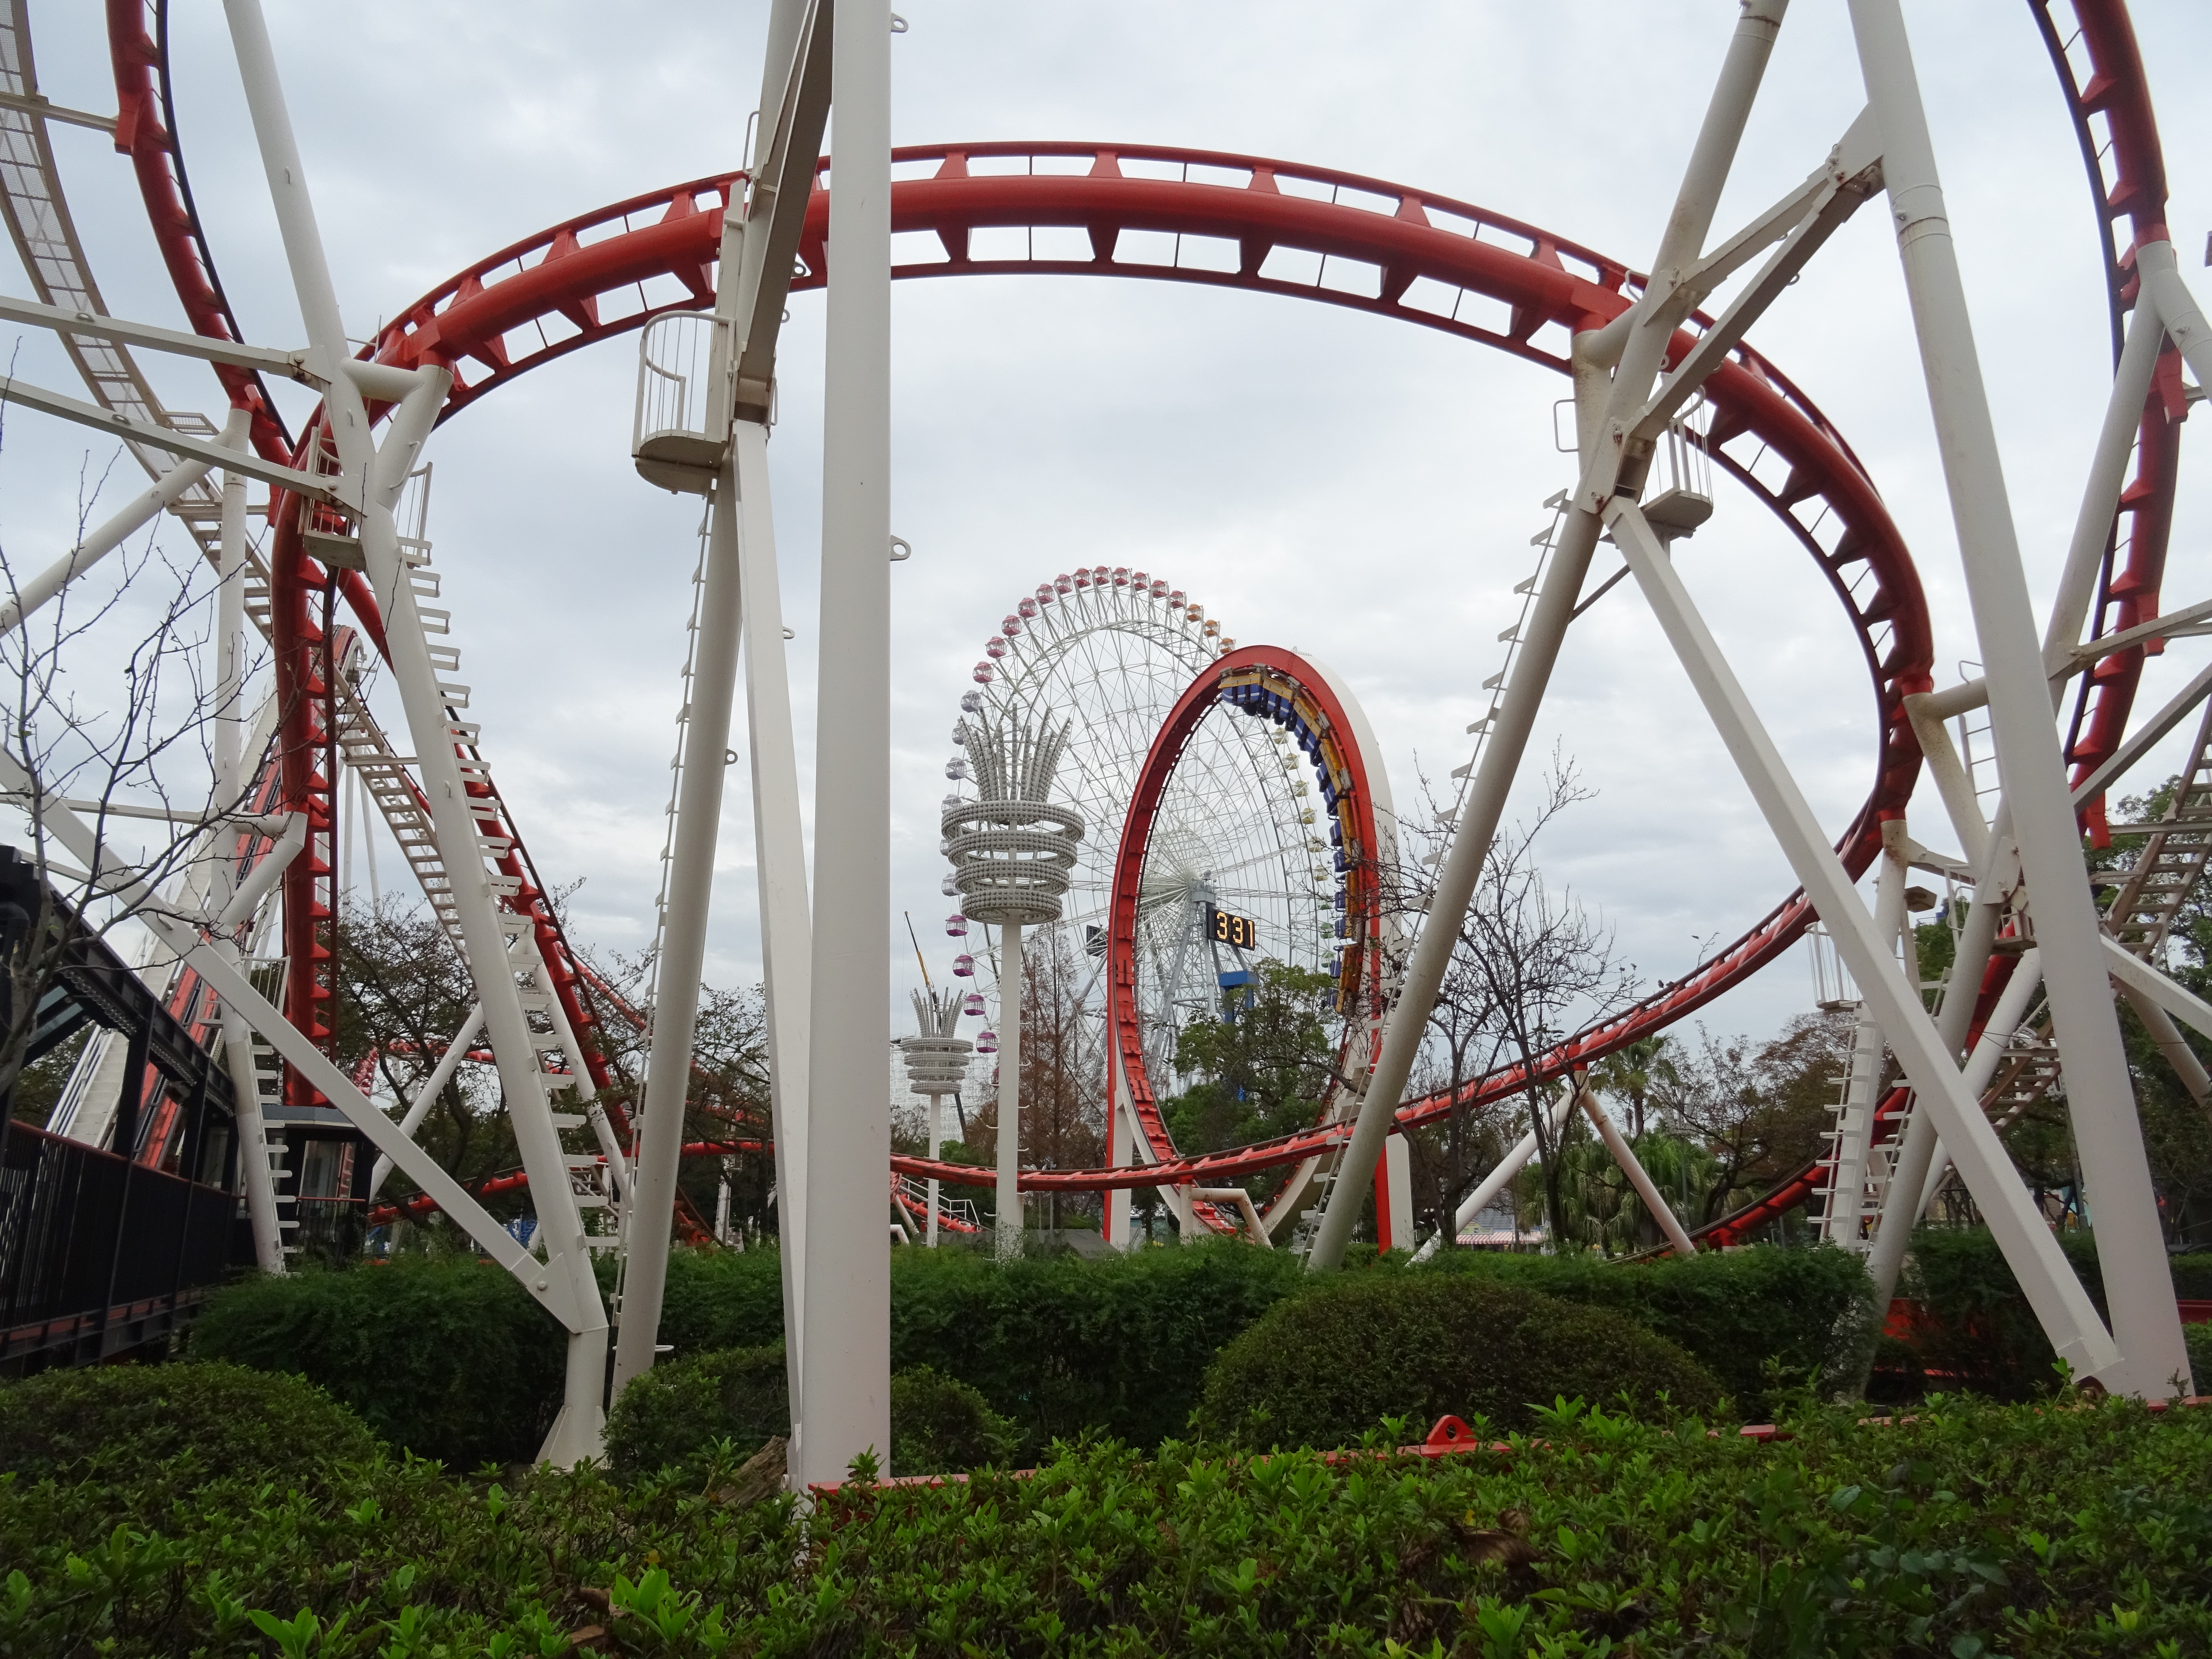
1758	1318
941	1426
445	1356
683	1406
2192	1275
719	1299
1061	1345
175	1427
1323	1369
2199	1339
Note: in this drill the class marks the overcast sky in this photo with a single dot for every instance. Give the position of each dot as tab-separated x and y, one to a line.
1349	487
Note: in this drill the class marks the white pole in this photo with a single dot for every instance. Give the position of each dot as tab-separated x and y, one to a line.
2099	1097
1496	1182
1632	1167
936	1146
139	511
847	1370
1730	106
426	1096
651	1202
1982	1065
1007	1232
2064	1309
780	865
2108	471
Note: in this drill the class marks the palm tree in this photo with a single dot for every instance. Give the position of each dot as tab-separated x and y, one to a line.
1628	1074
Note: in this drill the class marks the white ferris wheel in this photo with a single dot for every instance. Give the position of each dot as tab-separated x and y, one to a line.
1107	651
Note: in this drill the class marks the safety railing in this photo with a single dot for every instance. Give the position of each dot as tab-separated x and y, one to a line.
676	437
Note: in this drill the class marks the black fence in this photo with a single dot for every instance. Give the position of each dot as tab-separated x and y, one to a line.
99	1254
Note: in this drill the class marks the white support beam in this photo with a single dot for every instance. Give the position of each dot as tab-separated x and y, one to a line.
290	365
846	1408
165	492
677	975
426	1096
1841	198
1623	1155
1642	354
780	867
2064	1309
2099	1097
795	109
1487	1191
211	452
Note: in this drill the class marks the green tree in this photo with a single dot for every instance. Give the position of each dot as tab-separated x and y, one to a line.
1263	1062
1629	1073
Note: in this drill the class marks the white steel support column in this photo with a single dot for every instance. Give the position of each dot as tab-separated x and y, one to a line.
2099	1098
2005	1019
1455	878
1624	1157
1500	1178
846	1400
651	1208
1641	358
2108	473
2069	1318
427	1094
1121	1153
134	515
1006	1226
576	1433
779	862
936	1145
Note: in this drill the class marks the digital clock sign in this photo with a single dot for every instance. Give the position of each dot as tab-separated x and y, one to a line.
1240	932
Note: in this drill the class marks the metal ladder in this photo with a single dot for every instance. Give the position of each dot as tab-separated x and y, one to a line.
1856	1176
494	844
2167	868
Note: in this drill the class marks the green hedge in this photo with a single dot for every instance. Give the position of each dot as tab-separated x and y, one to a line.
443	1355
1761	1318
1969	1530
1981	1333
449	1357
1058	1343
941	1426
174	1428
1061	1345
1323	1369
683	1405
2192	1275
718	1299
684	1409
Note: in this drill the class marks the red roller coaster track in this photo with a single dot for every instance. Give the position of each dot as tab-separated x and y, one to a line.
1424	255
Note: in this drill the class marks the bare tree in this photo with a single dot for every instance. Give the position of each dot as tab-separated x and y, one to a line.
1063	1100
1530	966
110	710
